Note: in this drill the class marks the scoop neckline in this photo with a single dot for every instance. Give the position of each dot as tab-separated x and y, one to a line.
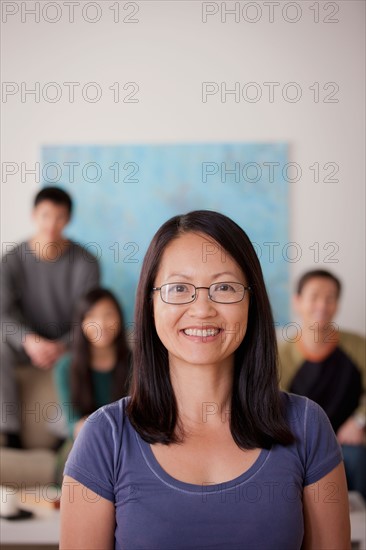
184	486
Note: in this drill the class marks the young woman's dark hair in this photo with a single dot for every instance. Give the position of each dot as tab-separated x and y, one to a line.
323	273
54	194
81	378
257	418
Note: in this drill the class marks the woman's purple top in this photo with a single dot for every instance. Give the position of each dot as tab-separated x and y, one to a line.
260	509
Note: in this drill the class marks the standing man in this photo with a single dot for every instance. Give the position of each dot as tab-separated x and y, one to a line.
41	279
328	366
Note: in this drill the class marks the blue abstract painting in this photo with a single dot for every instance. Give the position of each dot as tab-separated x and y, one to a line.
123	193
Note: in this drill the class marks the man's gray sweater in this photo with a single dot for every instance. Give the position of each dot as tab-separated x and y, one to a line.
39	295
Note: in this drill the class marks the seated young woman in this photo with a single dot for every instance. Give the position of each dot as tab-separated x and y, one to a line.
96	371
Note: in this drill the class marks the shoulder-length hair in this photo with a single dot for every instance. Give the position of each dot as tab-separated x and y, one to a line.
257	418
82	393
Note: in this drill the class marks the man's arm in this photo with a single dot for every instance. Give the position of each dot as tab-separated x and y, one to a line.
14	327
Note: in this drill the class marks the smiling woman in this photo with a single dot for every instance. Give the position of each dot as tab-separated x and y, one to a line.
164	468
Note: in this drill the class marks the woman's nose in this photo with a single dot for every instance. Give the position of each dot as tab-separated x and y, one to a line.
202	303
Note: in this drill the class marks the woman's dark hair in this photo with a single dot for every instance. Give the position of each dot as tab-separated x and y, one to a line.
55	195
257	416
323	273
82	394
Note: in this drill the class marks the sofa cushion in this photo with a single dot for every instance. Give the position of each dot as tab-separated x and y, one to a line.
39	408
27	468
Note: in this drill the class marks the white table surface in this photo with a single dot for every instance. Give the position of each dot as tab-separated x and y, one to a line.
42	528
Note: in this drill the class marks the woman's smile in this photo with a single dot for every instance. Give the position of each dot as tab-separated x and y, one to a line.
202	334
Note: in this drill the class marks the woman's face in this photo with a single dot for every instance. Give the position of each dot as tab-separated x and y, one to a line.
102	323
196	259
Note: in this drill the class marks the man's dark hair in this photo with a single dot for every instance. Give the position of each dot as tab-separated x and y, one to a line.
315	273
54	194
257	418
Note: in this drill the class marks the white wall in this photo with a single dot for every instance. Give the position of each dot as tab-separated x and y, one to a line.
169	53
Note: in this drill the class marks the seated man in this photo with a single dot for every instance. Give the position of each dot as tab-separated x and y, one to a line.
41	279
328	366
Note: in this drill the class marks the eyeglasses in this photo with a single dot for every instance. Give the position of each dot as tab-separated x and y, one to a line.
185	293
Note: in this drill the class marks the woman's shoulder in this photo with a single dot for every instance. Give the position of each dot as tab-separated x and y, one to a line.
116	408
105	426
307	419
316	443
94	457
301	412
113	414
293	403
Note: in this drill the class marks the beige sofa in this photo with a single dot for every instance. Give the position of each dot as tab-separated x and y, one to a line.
36	463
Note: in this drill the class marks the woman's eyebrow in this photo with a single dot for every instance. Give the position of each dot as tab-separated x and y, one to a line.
179	275
230	273
214	276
